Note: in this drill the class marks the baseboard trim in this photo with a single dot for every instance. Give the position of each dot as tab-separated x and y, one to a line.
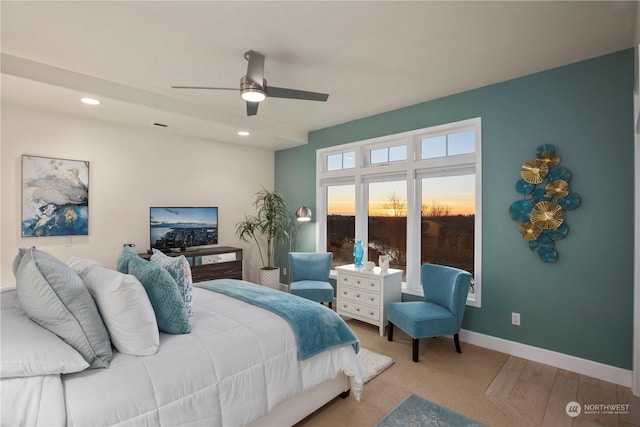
567	362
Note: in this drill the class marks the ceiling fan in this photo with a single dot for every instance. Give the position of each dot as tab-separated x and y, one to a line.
254	88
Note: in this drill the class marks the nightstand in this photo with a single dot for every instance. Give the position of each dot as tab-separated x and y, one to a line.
364	294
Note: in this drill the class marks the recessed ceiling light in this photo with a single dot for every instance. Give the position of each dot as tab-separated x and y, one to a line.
90	101
243	133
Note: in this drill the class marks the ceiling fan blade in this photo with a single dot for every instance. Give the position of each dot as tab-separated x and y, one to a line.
255	68
252	108
281	92
205	87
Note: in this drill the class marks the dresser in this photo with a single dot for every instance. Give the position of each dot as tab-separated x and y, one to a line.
219	262
364	294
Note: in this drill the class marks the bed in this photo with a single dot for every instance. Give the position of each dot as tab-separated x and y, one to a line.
239	365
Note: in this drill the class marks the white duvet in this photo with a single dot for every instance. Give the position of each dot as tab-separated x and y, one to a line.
237	364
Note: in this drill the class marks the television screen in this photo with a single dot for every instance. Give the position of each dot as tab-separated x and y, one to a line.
181	228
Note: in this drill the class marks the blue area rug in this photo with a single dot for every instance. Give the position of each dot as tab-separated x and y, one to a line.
415	411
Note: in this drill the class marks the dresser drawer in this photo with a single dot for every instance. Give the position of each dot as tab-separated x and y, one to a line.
365	311
346	293
367	298
370	284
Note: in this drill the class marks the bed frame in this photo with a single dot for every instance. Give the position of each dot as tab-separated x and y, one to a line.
302	405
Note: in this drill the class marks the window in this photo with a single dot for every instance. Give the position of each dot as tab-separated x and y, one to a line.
448	145
341	223
387	223
388	154
447	222
346	160
415	196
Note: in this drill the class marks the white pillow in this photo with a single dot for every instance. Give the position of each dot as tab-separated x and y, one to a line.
28	349
124	306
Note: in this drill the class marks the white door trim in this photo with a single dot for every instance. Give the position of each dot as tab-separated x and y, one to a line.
635	386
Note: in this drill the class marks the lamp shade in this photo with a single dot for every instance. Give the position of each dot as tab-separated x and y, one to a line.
303	214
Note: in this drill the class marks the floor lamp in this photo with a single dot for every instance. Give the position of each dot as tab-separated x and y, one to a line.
303	214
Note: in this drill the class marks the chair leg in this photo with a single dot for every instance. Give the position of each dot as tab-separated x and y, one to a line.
390	333
456	339
416	345
330	304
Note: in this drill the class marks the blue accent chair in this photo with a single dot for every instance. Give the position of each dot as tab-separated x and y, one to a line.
445	296
309	272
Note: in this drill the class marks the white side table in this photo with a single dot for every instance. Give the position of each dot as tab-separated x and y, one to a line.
364	294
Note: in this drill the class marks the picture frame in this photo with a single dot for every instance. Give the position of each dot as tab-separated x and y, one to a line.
55	197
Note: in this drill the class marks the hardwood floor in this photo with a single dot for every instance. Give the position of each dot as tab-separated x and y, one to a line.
487	386
533	394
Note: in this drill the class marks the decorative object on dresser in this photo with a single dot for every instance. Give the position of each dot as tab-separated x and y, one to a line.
445	295
221	262
365	294
358	253
270	222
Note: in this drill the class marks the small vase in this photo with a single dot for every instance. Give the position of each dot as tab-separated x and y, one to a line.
383	260
358	253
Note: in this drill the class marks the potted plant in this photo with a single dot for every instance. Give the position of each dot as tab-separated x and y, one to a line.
269	222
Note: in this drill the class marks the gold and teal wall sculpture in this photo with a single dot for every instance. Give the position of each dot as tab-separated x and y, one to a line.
546	197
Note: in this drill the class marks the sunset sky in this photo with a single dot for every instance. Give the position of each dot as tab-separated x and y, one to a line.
457	193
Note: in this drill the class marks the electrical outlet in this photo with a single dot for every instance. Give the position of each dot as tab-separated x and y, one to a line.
515	319
284	271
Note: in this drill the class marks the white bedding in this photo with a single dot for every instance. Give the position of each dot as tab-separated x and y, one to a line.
237	364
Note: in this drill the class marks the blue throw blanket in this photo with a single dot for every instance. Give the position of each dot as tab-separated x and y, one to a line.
316	327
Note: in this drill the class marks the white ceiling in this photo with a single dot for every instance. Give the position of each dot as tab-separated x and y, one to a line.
370	56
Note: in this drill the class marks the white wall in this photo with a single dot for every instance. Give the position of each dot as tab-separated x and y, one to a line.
130	169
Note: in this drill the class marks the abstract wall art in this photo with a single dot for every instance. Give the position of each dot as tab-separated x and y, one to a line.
55	197
546	196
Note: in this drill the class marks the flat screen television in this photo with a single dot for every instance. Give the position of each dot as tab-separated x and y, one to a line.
179	228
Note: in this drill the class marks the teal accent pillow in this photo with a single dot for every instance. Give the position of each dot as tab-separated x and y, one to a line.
53	295
169	307
178	267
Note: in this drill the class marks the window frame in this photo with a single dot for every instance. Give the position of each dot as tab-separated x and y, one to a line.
412	170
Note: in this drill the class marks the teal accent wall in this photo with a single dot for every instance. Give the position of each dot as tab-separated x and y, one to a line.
582	305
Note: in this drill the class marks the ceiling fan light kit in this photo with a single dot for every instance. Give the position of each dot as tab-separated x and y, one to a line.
251	91
254	89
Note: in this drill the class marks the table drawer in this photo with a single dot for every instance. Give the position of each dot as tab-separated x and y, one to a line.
372	285
367	298
365	311
346	293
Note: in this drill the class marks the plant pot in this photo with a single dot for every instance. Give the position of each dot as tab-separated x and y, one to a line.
270	278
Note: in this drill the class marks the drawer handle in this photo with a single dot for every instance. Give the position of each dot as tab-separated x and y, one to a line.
344	293
357	309
371	314
358	296
358	282
372	285
372	299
